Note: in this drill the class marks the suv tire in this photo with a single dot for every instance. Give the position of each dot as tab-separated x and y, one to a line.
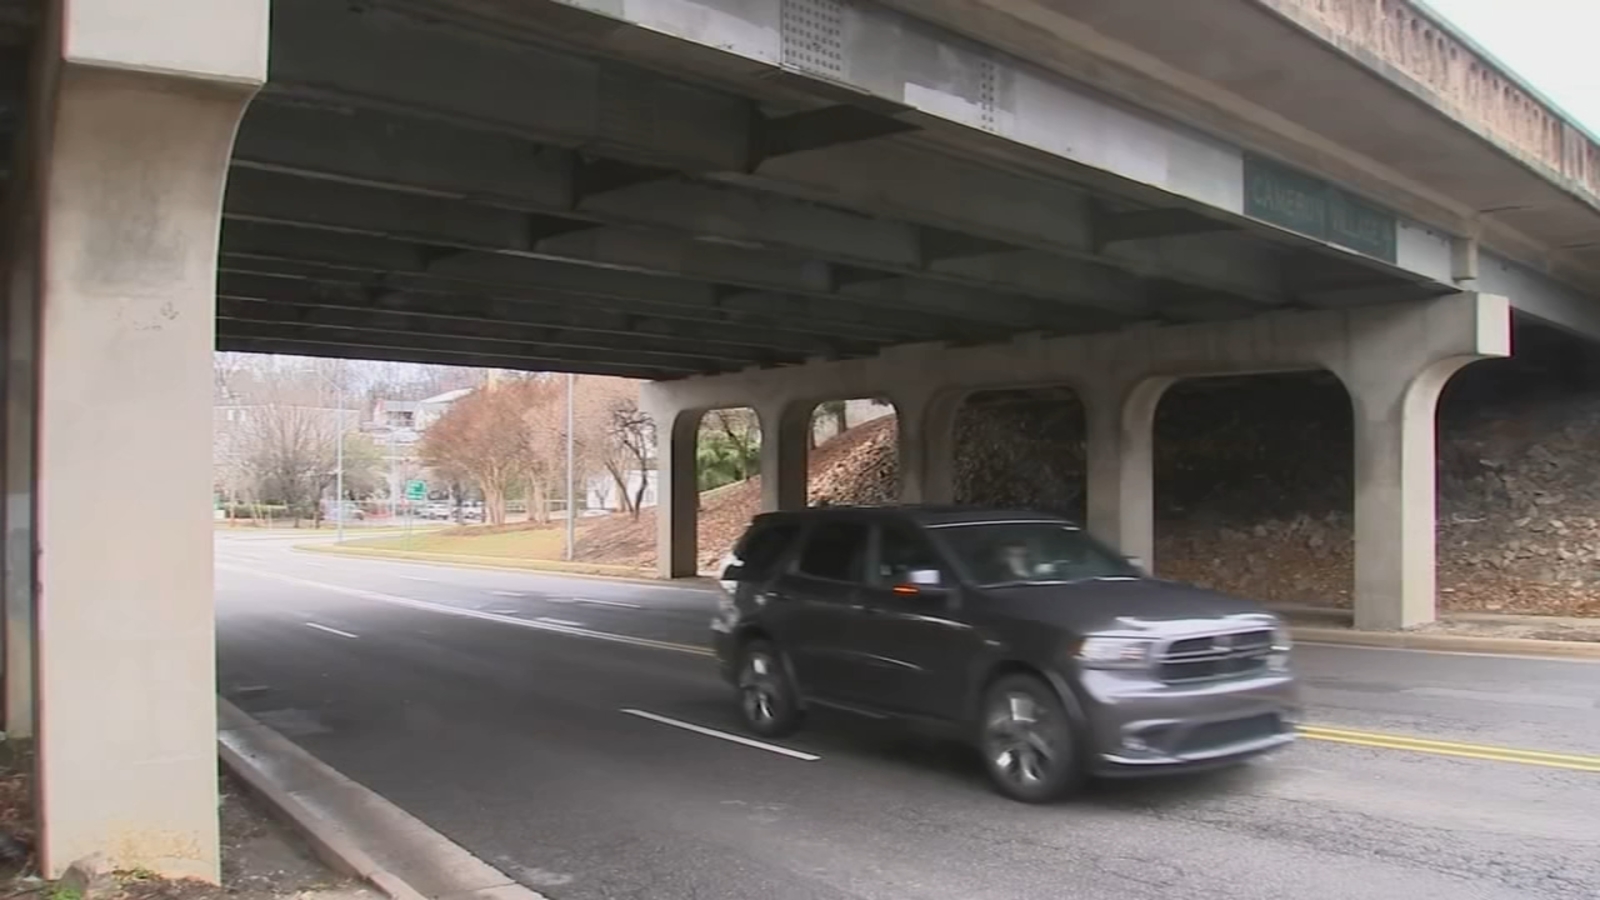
768	701
1027	741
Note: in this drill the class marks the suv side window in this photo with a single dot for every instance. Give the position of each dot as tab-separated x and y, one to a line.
761	549
903	550
836	551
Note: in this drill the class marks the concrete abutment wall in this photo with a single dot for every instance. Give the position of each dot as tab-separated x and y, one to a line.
1393	360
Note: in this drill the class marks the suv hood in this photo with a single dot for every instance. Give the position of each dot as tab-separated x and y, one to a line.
1123	605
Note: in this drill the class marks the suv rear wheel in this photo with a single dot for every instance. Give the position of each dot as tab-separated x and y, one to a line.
1027	741
767	697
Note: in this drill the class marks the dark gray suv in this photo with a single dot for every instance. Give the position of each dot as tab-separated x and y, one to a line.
1058	658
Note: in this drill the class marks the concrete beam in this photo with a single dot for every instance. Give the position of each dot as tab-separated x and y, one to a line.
1286	341
1142	225
380	57
1011	313
1540	296
403	351
837	323
375	147
273	198
263	196
443	347
525	355
496	334
552	317
562	193
1049	218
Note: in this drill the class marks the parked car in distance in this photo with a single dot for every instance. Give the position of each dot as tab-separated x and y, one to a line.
438	510
1057	658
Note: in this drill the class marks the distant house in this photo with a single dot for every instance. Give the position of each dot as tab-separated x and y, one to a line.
600	492
407	420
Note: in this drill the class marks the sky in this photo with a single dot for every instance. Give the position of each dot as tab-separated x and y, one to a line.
1550	43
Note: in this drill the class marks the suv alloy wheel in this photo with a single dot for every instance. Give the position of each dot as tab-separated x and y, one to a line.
767	698
1027	741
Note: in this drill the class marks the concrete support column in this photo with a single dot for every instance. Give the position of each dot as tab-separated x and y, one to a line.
1120	470
1398	363
677	494
139	112
926	441
785	446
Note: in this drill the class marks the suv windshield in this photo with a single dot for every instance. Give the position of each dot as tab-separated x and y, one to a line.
1039	552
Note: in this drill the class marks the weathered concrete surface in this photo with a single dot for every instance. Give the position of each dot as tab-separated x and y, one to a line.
139	111
1462	147
1394	360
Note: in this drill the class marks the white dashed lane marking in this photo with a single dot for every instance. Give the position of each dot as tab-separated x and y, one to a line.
343	634
725	736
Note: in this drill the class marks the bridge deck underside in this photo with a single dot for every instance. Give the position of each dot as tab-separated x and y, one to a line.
532	186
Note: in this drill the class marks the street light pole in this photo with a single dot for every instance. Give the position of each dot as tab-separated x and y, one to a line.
572	478
338	476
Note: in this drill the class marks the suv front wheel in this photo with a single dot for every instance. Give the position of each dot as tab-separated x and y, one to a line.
768	700
1026	740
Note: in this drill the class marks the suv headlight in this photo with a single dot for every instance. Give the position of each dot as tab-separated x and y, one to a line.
1115	652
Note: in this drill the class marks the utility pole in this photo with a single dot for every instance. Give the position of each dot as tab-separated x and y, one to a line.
572	477
338	476
394	480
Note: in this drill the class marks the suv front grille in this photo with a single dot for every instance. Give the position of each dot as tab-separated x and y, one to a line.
1218	735
1216	656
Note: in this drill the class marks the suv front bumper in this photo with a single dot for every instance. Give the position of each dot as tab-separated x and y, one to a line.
1138	726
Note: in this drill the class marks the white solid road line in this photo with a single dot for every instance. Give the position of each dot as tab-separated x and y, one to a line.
591	601
620	604
465	613
517	594
419	578
564	623
343	634
723	735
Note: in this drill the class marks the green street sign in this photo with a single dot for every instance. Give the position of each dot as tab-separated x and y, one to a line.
1315	208
416	490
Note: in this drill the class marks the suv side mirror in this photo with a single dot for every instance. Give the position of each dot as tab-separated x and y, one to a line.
733	572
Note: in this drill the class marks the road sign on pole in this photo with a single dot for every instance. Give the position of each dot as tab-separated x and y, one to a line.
416	490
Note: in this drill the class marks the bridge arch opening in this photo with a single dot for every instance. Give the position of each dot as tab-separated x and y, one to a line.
852	453
727	465
1254	487
1519	508
1022	447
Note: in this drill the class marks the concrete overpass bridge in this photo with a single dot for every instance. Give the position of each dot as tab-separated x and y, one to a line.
762	202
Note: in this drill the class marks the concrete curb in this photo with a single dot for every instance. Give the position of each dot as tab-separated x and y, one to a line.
1452	643
578	570
350	827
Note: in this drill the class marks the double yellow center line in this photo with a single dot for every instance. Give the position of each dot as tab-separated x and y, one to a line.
1378	740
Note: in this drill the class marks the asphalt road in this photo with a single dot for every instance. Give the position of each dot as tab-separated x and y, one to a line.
539	721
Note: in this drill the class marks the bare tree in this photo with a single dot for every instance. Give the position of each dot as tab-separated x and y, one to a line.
632	436
288	454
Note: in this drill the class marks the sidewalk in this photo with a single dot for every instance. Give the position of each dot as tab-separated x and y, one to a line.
1519	635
